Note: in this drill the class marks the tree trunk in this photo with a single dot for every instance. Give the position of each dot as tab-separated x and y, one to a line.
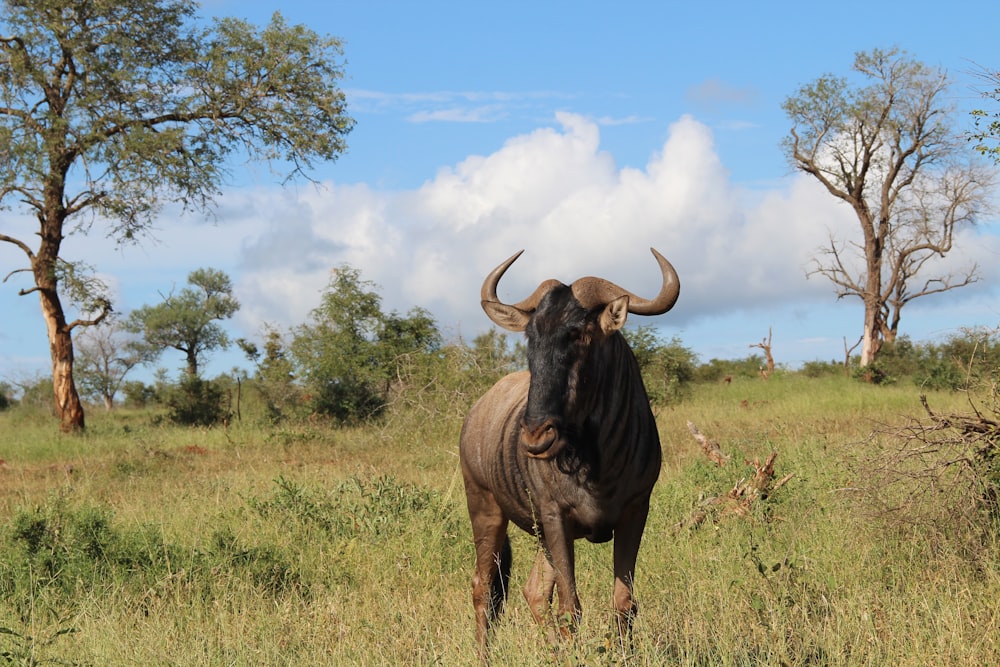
872	297
869	343
69	409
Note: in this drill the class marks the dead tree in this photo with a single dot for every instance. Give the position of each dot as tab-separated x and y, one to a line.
765	344
847	354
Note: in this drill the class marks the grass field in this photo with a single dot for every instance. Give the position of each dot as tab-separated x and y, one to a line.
144	544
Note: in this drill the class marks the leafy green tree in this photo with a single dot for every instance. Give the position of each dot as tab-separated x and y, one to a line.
187	321
667	369
275	374
109	109
888	148
350	353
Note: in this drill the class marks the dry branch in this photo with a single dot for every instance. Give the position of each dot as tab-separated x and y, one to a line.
710	447
744	493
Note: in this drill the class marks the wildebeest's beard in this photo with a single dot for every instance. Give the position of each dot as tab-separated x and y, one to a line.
556	347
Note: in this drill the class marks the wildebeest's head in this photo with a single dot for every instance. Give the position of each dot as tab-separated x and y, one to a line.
566	325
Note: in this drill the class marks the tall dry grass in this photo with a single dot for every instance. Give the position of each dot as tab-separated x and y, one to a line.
300	544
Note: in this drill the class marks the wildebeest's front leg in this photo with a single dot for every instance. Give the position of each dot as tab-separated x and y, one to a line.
489	530
628	535
538	590
561	561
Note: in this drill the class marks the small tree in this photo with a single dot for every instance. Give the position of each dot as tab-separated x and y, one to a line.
105	355
187	321
111	108
274	378
350	352
887	149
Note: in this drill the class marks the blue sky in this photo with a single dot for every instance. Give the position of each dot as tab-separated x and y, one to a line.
583	132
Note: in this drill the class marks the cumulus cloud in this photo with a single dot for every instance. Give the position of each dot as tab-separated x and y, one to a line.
741	254
556	194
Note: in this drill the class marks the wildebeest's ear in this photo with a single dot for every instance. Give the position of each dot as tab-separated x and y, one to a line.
614	315
510	318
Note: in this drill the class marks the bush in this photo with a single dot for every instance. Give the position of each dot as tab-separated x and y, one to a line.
138	394
817	369
196	402
716	369
667	369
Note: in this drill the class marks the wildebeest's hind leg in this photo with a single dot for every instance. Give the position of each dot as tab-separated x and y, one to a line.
493	558
501	582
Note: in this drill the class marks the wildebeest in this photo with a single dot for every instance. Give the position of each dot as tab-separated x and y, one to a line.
567	449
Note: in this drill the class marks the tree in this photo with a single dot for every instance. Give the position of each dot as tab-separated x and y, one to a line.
187	321
887	149
987	134
350	352
105	355
275	373
765	344
111	109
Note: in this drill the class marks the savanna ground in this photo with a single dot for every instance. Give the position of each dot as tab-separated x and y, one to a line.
149	544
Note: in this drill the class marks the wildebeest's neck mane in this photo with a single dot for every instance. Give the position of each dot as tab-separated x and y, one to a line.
609	393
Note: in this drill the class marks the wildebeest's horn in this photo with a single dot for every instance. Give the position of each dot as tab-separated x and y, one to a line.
591	292
489	289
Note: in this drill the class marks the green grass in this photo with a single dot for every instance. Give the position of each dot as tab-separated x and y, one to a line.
299	544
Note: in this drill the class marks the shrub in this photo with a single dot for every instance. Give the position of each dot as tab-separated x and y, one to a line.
196	402
816	369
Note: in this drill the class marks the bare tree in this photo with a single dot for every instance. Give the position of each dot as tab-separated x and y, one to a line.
888	149
765	344
105	355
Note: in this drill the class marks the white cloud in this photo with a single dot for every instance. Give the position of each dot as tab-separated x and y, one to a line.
555	193
741	254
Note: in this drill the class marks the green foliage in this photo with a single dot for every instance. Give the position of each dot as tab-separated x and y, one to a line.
194	401
110	110
274	378
155	103
138	394
60	549
350	353
962	360
816	369
187	321
717	369
987	134
667	369
61	554
36	395
375	508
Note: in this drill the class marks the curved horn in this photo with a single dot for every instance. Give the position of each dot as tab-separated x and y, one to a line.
592	292
488	292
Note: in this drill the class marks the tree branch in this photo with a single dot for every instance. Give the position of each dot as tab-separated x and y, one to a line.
20	244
